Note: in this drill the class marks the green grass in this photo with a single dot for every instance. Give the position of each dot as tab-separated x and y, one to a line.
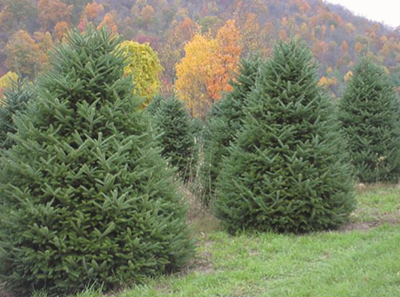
362	260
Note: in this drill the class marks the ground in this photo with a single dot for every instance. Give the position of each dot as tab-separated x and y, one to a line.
360	260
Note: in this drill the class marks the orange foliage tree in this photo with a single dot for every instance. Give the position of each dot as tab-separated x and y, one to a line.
23	54
93	10
60	29
53	11
109	22
208	66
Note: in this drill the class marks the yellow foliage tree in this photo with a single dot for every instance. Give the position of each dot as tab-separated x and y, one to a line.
144	67
6	82
208	66
348	76
193	74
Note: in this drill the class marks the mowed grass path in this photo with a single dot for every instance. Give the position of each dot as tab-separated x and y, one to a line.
362	260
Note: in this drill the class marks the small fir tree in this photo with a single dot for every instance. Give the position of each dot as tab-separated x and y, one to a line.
177	139
225	120
286	170
13	103
86	198
369	114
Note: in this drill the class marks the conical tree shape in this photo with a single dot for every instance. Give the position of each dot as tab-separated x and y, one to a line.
177	140
14	102
369	114
225	120
285	172
86	198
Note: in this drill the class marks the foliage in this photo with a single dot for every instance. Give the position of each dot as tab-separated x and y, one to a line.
225	121
177	140
286	171
53	11
6	82
370	118
193	73
208	66
23	54
338	37
109	22
86	198
15	97
144	67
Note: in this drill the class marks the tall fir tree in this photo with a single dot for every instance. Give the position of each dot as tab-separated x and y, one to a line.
86	198
177	138
225	120
14	102
369	114
286	170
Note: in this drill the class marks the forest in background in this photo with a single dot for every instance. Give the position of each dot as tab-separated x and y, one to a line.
30	28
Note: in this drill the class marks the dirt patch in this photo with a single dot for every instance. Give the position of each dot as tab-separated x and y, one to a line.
3	293
362	188
391	219
201	264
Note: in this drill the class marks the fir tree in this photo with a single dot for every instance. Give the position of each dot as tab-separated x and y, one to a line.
14	102
369	114
86	198
153	107
285	171
225	120
177	140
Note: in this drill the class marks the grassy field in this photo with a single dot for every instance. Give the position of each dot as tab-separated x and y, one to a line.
361	260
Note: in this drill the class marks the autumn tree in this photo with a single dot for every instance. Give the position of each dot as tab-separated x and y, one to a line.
60	29
53	11
144	67
6	82
15	13
44	42
193	74
146	15
23	54
209	63
93	10
172	50
109	22
225	61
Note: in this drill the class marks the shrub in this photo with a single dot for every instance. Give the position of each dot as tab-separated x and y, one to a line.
369	114
86	198
225	120
285	171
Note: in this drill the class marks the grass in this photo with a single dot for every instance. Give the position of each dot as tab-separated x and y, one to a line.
361	260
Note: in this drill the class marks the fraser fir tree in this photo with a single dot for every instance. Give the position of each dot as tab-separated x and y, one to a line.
14	102
225	120
177	138
285	172
369	114
86	198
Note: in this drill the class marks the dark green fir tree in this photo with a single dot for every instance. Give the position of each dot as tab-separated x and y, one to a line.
225	120
85	197
177	138
286	170
369	114
14	102
154	105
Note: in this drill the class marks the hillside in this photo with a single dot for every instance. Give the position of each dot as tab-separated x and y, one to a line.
338	38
